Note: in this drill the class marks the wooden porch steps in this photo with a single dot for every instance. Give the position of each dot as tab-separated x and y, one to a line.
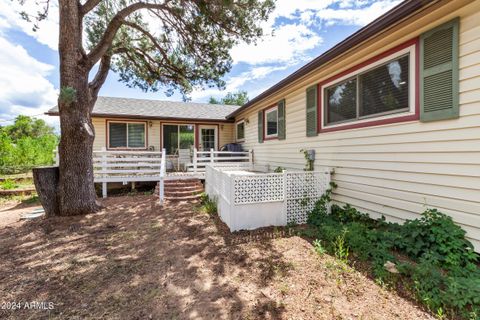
182	189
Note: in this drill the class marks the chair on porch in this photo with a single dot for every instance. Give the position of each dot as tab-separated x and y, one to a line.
184	157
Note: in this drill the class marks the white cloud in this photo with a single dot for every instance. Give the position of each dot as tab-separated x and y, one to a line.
47	34
236	83
355	16
288	42
24	88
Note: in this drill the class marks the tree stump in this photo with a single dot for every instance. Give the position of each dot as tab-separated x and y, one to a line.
46	182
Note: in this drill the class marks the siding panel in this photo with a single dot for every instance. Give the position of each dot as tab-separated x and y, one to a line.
399	169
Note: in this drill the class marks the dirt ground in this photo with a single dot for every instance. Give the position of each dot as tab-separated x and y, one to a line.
135	260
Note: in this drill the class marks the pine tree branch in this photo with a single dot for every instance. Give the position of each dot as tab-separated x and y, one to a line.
117	21
88	6
100	77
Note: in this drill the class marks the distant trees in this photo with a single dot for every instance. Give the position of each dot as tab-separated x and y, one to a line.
232	98
26	143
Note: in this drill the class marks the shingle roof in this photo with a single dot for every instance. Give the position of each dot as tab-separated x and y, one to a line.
138	108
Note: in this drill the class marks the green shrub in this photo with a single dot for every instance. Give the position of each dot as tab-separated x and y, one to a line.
340	247
437	238
25	144
319	249
209	205
8	184
443	273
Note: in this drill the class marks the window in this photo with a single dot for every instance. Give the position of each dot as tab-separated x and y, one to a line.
382	89
177	137
240	130
271	122
126	135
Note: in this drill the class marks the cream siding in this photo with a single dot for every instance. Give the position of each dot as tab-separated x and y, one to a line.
100	133
225	133
400	169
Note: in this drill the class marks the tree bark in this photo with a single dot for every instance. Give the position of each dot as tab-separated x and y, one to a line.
76	187
46	184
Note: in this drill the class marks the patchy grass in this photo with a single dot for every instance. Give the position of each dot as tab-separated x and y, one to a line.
31	199
137	260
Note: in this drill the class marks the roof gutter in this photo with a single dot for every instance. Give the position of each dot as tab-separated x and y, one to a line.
137	117
388	19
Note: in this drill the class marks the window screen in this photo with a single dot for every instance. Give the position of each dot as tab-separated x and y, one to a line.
384	88
241	130
342	101
381	90
136	135
272	122
117	135
170	138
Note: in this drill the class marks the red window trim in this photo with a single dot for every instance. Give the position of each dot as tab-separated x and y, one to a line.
236	123
410	117
265	138
107	129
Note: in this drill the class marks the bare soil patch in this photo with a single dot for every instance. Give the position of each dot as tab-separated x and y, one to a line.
136	260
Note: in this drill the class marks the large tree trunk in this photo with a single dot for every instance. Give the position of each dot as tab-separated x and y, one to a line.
76	188
46	184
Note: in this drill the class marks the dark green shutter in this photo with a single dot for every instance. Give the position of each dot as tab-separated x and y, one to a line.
281	120
260	126
439	72
312	115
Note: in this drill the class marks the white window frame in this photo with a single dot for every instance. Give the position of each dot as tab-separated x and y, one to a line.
265	122
411	90
127	147
216	137
236	131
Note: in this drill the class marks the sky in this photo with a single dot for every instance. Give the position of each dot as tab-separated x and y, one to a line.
296	32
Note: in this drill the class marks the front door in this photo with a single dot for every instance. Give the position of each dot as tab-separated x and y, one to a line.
208	138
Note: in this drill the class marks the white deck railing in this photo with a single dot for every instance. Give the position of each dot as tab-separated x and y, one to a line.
140	166
129	166
202	158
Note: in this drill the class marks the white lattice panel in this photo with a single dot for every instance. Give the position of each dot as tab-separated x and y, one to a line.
303	190
258	188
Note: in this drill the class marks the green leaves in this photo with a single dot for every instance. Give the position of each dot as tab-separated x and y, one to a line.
28	142
438	238
68	95
176	45
232	98
442	272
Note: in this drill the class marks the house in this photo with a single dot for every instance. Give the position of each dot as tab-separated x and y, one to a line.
139	124
394	109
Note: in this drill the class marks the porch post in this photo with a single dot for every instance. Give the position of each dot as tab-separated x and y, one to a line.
211	155
161	185
104	175
195	160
